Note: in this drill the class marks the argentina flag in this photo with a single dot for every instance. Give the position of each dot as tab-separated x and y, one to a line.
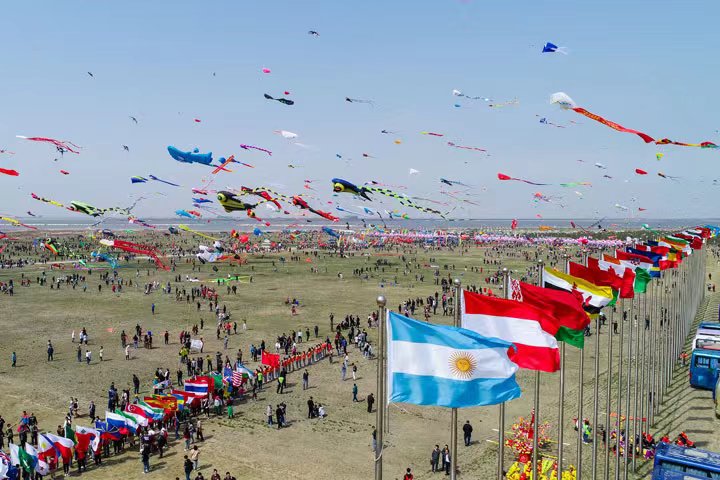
446	366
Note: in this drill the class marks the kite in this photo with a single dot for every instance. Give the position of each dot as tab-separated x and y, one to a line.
388	132
248	147
183	213
50	244
640	171
502	176
453	182
153	177
302	204
223	163
190	157
343	186
357	100
432	134
552	48
545	121
137	221
621	207
458	93
404	199
103	257
197	120
576	184
133	119
135	248
82	207
231	203
262	193
126	148
138	179
187	229
514	224
659	156
284	101
12	173
286	134
667	176
514	101
331	232
7	152
17	223
31	213
601	166
266	70
199	191
64	172
61	145
567	103
367	155
413	171
451	144
90	73
201	200
313	33
640	209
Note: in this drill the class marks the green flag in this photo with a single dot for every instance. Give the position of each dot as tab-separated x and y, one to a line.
70	433
642	278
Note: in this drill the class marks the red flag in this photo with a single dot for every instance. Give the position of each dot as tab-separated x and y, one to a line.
270	359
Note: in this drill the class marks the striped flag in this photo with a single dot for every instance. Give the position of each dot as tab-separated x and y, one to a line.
529	329
594	296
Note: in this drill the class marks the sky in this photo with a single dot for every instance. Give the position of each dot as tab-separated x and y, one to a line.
646	65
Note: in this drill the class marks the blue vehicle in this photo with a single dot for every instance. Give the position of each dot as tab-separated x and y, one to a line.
675	462
704	368
710	326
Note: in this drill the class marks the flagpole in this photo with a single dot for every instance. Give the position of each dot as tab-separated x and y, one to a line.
581	388
561	398
596	395
640	374
536	393
501	410
619	390
608	397
652	364
453	411
382	400
629	432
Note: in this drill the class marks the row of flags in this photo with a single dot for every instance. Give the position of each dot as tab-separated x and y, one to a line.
475	364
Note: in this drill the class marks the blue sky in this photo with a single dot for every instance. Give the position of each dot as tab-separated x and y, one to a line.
645	65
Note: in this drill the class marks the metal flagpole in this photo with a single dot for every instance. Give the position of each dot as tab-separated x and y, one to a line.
381	401
608	397
619	390
536	393
640	374
652	365
629	433
581	388
596	397
501	412
453	411
561	398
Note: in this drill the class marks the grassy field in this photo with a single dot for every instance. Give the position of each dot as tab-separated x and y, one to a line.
335	447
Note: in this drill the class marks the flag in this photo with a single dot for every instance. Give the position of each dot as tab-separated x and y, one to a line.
199	386
240	372
87	436
116	421
6	466
642	276
148	414
132	420
621	277
40	465
63	446
653	257
69	432
529	329
19	456
565	307
594	297
107	432
446	366
271	359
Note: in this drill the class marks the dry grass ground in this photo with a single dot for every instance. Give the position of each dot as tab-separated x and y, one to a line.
335	447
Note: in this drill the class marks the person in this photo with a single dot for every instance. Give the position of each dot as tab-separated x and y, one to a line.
374	440
343	370
408	474
215	475
354	372
306	379
50	351
199	476
467	432
79	354
145	454
311	408
230	412
13	358
187	437
153	308
370	401
321	411
88	356
127	352
586	431
101	353
161	442
269	415
187	467
435	459
279	416
355	392
446	460
195	456
136	384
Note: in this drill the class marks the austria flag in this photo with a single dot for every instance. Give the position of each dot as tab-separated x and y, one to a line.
531	330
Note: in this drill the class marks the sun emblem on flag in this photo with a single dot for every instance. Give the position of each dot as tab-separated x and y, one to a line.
462	364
